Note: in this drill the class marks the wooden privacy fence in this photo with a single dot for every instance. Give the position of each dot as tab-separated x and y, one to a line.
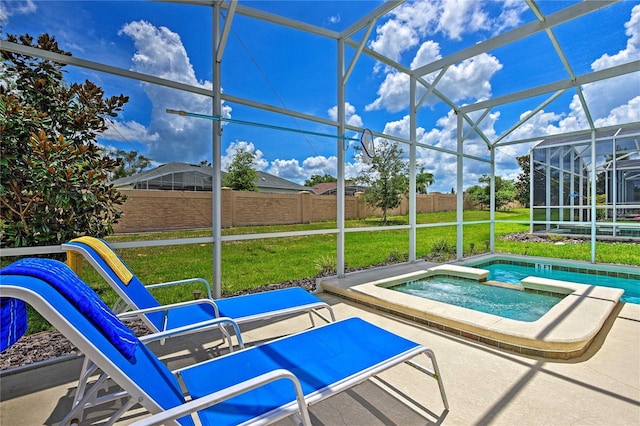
151	210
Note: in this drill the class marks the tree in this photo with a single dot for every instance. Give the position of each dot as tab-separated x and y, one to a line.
130	163
478	195
481	194
53	184
241	175
316	179
522	183
386	179
505	192
423	181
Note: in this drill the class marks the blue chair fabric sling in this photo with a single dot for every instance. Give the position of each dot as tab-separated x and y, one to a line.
259	384
243	309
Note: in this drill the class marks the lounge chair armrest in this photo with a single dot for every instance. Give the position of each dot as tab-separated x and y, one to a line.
208	400
187	281
140	312
195	327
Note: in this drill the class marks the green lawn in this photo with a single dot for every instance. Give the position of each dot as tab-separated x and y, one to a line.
253	263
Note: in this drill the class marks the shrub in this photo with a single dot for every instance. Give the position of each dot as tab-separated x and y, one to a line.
396	257
326	265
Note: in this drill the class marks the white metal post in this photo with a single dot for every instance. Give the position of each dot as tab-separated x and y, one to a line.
340	146
547	198
531	189
560	185
459	186
572	184
614	185
492	202
412	169
593	197
216	220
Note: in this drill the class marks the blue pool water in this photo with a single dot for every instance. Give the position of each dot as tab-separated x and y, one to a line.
509	273
507	303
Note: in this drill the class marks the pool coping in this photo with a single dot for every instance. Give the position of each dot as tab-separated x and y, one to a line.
564	332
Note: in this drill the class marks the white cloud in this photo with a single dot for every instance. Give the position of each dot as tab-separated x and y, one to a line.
351	117
128	131
612	101
160	52
632	50
317	165
626	113
419	19
428	52
288	169
467	81
292	169
604	96
16	7
320	165
393	93
442	165
335	19
460	16
510	16
394	37
227	158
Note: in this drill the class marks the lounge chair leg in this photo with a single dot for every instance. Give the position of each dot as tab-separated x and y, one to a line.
226	336
324	318
125	407
313	323
77	411
435	374
438	377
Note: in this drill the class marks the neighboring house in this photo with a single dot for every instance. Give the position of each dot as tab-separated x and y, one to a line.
331	188
190	177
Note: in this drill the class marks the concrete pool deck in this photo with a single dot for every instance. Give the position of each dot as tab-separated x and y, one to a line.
564	332
484	385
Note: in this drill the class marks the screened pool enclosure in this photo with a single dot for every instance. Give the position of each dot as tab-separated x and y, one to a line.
585	163
566	173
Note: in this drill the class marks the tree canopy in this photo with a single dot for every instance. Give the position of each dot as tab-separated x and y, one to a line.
316	179
241	175
522	183
481	194
54	175
423	181
131	162
385	179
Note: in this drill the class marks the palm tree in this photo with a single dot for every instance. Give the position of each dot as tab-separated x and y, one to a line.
423	181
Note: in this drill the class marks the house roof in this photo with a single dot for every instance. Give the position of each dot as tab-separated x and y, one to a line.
266	181
324	187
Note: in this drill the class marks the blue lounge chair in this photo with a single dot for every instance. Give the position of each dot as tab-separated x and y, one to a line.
260	384
136	296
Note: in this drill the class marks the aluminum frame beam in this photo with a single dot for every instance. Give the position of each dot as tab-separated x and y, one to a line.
592	77
560	17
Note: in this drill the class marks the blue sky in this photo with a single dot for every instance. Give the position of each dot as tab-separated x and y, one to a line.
294	70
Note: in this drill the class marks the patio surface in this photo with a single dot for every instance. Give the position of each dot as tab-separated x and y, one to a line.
484	385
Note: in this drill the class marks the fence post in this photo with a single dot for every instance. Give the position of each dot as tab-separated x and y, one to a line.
228	207
357	196
305	206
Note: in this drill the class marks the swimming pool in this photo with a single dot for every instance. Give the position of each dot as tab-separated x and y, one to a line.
513	271
565	331
505	302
